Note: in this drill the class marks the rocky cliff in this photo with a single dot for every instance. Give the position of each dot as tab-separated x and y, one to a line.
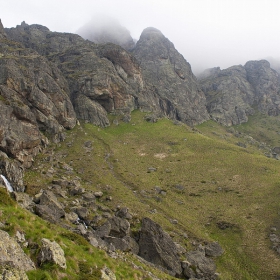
102	78
34	102
106	78
170	79
235	93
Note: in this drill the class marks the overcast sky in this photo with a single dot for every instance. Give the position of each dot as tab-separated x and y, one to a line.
208	33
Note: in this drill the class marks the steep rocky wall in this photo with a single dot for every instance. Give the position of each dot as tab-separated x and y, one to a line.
170	79
266	84
235	93
102	78
34	99
41	39
106	78
229	95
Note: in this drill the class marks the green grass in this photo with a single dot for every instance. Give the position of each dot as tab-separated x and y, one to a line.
83	260
207	179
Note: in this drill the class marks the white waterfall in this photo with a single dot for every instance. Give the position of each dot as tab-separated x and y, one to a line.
7	183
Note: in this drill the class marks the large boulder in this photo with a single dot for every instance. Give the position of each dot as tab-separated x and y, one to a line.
126	244
169	79
119	227
157	247
49	207
51	252
12	255
198	266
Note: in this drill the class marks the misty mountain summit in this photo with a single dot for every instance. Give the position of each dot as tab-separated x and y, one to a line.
107	30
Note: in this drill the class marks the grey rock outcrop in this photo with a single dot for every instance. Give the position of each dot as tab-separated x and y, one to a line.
213	249
41	39
11	273
229	95
266	84
126	244
102	78
106	78
157	247
51	252
34	98
49	207
169	79
235	93
12	255
13	171
198	266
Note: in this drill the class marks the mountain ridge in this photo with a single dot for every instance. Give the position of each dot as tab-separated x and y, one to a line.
56	87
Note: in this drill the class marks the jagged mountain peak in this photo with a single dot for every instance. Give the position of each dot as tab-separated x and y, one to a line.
170	77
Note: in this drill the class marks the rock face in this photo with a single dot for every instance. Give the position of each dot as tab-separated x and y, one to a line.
106	78
41	39
233	94
198	266
266	84
34	98
10	273
51	252
13	171
229	95
12	255
170	79
49	207
102	78
157	247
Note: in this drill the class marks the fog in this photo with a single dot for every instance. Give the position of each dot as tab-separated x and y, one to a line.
208	33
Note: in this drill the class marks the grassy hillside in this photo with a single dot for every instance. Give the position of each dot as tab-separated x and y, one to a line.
197	183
